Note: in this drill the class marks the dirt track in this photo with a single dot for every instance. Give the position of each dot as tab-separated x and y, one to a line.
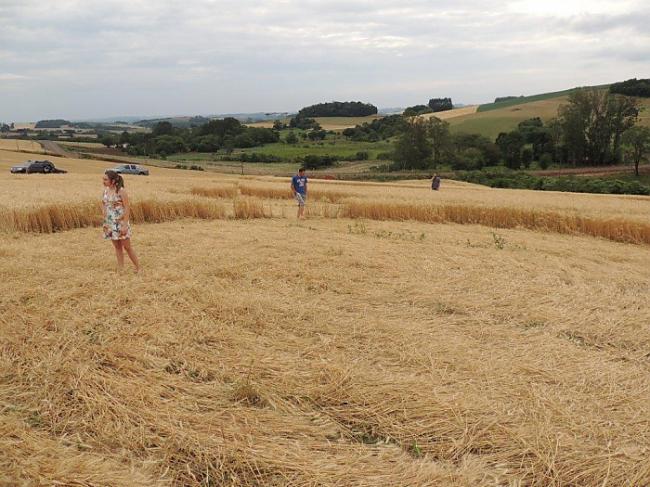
55	149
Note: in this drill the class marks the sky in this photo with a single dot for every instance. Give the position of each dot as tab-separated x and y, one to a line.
82	59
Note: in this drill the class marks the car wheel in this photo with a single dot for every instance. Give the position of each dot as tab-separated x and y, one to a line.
47	169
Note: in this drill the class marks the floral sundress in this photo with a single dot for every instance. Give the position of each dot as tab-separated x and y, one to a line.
114	211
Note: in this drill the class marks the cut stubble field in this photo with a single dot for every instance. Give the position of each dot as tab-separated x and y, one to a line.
342	351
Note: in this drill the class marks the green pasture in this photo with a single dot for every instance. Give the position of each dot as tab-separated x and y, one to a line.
339	147
528	99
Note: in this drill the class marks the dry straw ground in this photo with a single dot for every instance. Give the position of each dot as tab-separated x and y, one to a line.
336	351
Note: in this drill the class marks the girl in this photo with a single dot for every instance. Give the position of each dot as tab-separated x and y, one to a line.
116	211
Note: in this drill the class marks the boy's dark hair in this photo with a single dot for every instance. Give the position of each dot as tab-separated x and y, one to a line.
302	169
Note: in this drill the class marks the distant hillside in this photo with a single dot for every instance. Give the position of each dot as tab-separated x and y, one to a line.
520	100
493	118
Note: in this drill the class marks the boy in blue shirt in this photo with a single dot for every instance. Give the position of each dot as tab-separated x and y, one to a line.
299	190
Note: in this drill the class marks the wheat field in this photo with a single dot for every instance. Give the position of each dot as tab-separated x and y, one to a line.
397	337
21	145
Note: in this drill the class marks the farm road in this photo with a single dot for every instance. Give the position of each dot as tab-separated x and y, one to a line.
55	149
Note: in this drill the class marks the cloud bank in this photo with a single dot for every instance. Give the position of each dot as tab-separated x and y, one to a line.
83	59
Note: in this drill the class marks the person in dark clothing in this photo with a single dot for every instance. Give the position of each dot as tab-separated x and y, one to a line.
435	182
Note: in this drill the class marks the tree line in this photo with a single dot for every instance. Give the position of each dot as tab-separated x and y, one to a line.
595	127
165	139
435	105
632	87
338	109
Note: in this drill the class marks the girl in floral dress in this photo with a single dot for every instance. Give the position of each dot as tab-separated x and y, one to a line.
117	227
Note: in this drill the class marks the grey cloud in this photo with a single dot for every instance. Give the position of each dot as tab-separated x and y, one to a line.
207	56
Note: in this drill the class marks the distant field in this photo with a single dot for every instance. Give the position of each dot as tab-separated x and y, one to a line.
489	119
21	145
449	114
340	147
493	118
86	145
328	123
528	99
491	123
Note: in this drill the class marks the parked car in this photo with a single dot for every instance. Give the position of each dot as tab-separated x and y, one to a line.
45	167
131	169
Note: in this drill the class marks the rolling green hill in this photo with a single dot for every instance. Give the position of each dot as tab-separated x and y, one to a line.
493	118
533	98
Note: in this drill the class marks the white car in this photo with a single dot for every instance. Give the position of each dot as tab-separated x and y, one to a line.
131	169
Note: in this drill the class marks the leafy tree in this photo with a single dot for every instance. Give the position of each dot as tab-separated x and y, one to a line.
440	104
169	144
382	128
125	138
206	143
592	125
243	140
637	140
468	159
227	126
632	87
317	134
261	136
537	135
413	148
545	160
511	145
291	138
417	110
622	113
279	125
527	157
109	140
162	128
304	123
440	139
491	155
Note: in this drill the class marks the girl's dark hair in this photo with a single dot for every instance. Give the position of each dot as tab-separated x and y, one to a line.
115	178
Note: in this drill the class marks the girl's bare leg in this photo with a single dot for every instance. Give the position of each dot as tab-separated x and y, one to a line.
119	253
126	244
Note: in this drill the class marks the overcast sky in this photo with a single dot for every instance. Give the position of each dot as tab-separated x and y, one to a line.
90	58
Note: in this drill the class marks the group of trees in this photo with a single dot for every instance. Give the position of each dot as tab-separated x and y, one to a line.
632	87
592	124
379	129
595	127
178	122
165	139
52	124
428	143
435	105
338	109
500	99
303	122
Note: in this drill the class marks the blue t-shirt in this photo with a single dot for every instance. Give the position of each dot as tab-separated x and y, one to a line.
299	183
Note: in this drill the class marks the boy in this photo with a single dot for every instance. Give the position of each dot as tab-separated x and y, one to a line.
299	190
